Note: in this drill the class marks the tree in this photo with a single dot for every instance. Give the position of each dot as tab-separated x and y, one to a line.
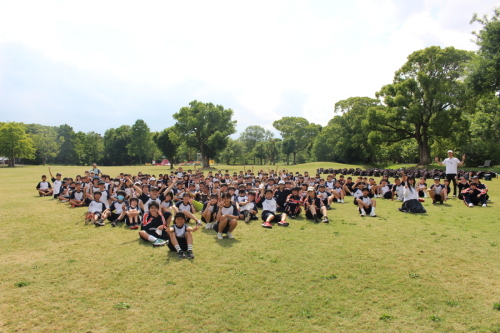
233	151
205	126
343	140
297	133
424	101
94	147
166	141
116	141
15	143
66	153
252	135
141	144
47	142
485	69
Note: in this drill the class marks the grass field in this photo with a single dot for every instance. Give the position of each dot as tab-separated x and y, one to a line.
436	272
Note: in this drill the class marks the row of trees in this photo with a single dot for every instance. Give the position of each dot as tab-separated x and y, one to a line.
439	99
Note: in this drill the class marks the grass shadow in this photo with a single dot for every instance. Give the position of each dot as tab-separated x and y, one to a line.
226	242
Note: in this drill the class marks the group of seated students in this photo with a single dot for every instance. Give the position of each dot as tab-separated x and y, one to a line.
149	203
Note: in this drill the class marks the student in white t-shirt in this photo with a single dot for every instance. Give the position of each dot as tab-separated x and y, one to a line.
452	164
44	188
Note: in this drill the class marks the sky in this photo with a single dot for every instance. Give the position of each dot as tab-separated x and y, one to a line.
96	65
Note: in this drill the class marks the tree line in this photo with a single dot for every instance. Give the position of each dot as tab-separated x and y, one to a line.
440	99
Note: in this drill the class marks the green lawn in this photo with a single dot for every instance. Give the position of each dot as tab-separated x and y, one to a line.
394	273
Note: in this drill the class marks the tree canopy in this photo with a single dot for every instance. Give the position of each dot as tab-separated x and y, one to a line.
297	133
15	143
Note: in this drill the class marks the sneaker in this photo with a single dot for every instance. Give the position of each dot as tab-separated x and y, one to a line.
219	235
113	224
209	225
342	201
325	220
64	200
247	216
328	207
99	223
283	223
198	223
72	206
229	235
373	215
441	202
484	205
267	225
190	254
159	242
363	213
471	205
181	254
433	202
316	220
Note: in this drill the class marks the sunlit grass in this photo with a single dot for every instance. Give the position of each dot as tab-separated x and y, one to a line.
393	273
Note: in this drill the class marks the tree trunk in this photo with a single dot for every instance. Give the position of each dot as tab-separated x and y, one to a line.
12	162
294	158
171	165
206	162
424	150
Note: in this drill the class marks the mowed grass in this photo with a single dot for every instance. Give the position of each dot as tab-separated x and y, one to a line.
393	273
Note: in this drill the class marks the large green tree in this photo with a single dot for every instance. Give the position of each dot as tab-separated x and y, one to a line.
254	134
167	143
141	144
297	133
343	139
424	102
116	141
47	142
485	69
15	143
234	151
67	154
206	127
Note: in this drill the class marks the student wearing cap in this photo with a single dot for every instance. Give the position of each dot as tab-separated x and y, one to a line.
366	205
44	188
474	196
437	191
77	196
154	225
452	164
281	193
181	237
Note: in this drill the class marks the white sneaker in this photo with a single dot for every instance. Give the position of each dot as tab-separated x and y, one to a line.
471	205
209	226
363	213
229	235
219	235
373	214
484	205
342	201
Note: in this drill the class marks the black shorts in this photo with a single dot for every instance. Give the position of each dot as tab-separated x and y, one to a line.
182	243
113	216
367	210
56	196
212	218
310	216
388	195
266	213
226	228
437	197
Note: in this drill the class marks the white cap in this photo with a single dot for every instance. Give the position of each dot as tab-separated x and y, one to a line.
450	151
310	189
152	178
281	182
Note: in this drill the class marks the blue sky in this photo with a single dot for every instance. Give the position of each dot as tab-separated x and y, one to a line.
101	64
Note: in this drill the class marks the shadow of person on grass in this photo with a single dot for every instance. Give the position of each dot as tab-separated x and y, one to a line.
226	242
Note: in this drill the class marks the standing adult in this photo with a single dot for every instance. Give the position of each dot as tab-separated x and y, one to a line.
96	170
452	163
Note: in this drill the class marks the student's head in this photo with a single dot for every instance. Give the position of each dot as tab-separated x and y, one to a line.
450	153
473	185
97	195
242	192
311	192
281	184
153	208
436	180
213	199
397	181
186	197
365	191
446	182
120	195
153	192
44	178
268	194
223	187
295	190
231	190
337	183
384	182
321	188
422	180
101	183
463	180
411	181
251	196
58	175
226	197
78	185
169	196
134	202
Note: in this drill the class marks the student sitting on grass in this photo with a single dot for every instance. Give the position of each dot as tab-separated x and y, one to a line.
293	203
186	207
209	211
269	207
181	237
249	210
227	217
44	188
474	196
97	211
398	190
57	183
77	196
384	190
154	226
437	191
315	207
410	202
134	214
118	208
366	205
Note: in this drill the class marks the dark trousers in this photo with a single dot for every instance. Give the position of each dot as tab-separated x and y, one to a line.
452	177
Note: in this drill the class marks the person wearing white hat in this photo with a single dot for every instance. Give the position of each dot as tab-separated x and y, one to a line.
452	164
